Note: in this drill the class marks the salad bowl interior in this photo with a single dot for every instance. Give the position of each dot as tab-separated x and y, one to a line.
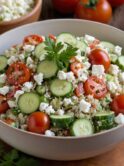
62	148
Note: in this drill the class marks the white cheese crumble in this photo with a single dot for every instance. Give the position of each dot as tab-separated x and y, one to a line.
112	87
49	133
86	65
21	57
11	103
27	86
3	78
89	38
118	50
67	101
18	94
60	112
49	110
13	9
11	60
84	106
43	106
98	70
29	48
88	50
119	119
61	75
42	57
38	78
70	76
82	75
114	69
4	90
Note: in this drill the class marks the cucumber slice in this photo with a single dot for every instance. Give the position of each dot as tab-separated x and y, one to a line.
108	45
40	51
66	38
3	62
60	87
48	68
28	102
82	127
103	120
41	89
113	58
61	121
121	62
81	45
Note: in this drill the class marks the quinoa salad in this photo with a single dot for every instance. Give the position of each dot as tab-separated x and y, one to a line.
62	85
13	9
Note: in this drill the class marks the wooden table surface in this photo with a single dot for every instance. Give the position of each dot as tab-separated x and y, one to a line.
116	156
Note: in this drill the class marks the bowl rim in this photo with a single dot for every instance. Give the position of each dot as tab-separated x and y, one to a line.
38	3
61	137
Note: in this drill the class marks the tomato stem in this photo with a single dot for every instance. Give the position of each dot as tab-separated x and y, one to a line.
90	4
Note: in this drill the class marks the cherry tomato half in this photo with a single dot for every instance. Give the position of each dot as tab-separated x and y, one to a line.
65	6
99	57
3	104
18	73
101	11
38	122
75	66
96	87
32	40
117	104
52	37
79	89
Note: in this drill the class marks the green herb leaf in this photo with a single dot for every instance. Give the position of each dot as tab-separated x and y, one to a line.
58	53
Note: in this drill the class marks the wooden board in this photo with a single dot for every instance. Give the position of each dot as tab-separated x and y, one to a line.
116	156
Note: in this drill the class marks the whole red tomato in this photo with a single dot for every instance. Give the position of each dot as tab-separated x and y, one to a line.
97	10
65	6
116	3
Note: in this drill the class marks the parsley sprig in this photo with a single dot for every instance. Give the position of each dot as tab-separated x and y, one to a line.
59	52
16	158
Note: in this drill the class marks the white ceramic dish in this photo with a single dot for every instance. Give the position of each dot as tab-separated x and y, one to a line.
61	148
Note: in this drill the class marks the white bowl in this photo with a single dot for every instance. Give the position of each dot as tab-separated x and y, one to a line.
61	148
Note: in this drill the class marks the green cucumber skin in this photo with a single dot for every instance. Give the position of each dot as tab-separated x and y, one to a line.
53	88
40	89
3	62
63	123
73	133
103	122
26	107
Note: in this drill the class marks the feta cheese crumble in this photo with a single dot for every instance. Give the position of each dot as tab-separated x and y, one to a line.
70	76
114	69
12	103
29	48
27	86
4	90
18	94
38	78
84	106
119	119
118	50
49	133
89	38
98	70
62	75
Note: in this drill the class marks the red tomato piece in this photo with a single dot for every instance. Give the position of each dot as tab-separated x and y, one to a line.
117	104
94	44
79	89
33	39
3	104
100	10
96	87
52	37
99	57
38	122
18	73
116	3
75	66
